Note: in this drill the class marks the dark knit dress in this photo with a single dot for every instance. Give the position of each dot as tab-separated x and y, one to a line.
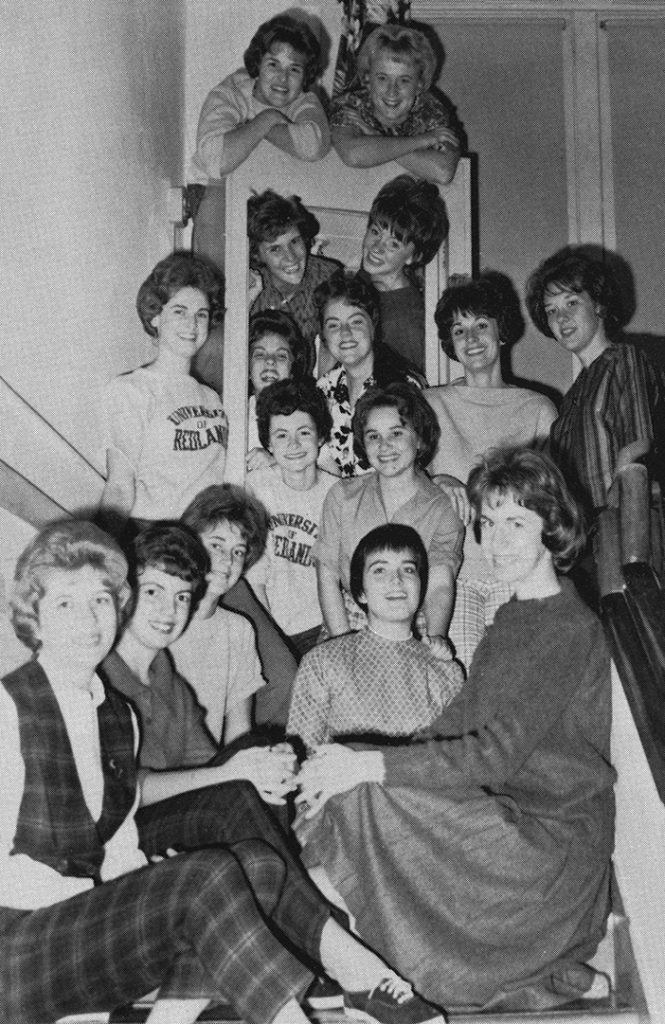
480	867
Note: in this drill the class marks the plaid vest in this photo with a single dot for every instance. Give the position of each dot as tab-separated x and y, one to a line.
54	824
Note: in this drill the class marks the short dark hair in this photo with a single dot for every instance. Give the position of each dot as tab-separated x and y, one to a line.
285	397
388	537
352	290
278	321
534	481
490	295
284	29
71	544
269	215
405	43
412	408
229	503
179	270
173	548
414	212
572	269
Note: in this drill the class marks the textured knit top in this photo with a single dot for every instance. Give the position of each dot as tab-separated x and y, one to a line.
363	684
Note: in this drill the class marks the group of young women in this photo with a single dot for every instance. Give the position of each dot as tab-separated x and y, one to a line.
463	825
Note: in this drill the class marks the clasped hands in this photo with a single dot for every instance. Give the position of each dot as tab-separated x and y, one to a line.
331	769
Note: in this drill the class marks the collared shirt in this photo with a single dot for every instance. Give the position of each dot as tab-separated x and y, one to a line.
354	507
173	731
613	402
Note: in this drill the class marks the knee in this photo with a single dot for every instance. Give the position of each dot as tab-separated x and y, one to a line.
263	866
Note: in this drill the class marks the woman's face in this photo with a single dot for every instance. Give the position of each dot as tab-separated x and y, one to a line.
390	443
227	549
182	325
77	617
573	318
285	260
270	359
393	84
512	541
281	76
476	341
385	257
391	587
349	334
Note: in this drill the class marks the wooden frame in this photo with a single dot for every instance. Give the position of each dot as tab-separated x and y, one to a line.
352	190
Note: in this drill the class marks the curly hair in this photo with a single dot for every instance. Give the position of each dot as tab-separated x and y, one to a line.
281	323
491	295
534	482
395	537
270	215
229	503
572	269
412	408
295	33
173	548
414	212
285	397
403	43
352	290
179	270
72	544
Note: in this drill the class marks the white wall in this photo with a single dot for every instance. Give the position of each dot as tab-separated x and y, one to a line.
91	118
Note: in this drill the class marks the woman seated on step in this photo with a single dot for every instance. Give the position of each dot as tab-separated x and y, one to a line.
487	847
85	923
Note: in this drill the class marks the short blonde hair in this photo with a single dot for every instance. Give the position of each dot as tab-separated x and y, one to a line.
404	44
71	544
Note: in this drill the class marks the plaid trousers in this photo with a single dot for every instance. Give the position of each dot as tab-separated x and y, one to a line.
195	925
231	813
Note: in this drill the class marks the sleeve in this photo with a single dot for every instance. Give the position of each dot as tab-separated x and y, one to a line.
444	679
124	411
448	539
247	678
327	549
632	399
309	129
547	414
310	704
439	112
198	746
225	108
347	112
491	754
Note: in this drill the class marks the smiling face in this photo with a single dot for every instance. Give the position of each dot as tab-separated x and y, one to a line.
270	359
385	257
281	76
162	609
294	441
227	549
183	324
77	618
512	543
390	443
476	341
285	260
391	590
573	318
349	334
393	86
